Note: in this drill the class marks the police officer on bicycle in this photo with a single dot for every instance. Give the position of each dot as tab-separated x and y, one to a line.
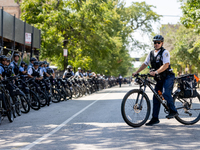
36	72
79	73
14	64
50	71
159	59
68	73
31	63
22	71
3	60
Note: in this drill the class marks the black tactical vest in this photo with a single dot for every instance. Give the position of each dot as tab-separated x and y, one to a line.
8	71
16	69
68	74
49	71
157	62
36	73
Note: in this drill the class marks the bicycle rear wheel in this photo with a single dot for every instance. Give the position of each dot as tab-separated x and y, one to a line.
56	95
34	100
10	111
132	113
63	94
188	109
75	93
68	93
43	99
25	107
8	106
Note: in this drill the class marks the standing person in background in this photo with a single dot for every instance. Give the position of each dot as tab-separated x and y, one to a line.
120	80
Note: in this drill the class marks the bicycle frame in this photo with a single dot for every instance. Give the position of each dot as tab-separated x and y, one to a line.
6	95
145	83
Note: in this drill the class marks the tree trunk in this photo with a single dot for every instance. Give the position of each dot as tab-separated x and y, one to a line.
190	68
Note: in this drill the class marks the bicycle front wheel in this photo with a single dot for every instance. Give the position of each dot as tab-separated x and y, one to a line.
8	106
135	110
25	107
56	95
188	109
34	100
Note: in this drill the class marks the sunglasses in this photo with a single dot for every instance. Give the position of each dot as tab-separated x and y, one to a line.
157	42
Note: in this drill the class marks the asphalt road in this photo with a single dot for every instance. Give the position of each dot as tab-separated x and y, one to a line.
91	123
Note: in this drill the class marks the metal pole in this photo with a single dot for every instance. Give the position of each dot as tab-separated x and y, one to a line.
39	43
2	26
32	34
13	47
1	30
24	42
67	58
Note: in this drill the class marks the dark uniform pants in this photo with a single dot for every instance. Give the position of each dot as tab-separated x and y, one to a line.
166	87
120	82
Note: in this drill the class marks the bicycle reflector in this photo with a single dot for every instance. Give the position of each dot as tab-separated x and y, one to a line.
197	79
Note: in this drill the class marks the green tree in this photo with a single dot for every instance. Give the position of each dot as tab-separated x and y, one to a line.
182	40
191	19
95	32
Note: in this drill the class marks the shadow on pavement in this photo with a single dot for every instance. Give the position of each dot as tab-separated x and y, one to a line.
99	127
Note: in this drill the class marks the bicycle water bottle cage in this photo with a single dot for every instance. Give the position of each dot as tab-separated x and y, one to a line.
138	81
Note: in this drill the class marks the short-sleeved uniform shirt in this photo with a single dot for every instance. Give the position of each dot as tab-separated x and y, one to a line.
78	74
1	69
21	69
30	66
12	64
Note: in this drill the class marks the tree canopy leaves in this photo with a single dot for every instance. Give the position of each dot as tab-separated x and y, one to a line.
191	19
95	32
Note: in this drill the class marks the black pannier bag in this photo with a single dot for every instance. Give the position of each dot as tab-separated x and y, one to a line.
187	84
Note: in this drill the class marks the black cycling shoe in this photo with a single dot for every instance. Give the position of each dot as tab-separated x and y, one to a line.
152	122
172	114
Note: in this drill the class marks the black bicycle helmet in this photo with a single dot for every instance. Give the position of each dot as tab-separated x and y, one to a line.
16	54
36	63
23	63
69	67
40	63
2	57
8	59
158	38
33	59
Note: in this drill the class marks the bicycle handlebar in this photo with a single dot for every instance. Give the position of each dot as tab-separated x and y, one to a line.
143	75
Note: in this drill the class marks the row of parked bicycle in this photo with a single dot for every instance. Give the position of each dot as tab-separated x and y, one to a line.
20	95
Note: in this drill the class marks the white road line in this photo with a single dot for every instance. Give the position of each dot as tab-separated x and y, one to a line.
60	126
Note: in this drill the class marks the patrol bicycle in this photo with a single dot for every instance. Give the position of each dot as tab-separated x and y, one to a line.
135	106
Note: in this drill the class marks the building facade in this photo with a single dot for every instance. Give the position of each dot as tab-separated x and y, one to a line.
11	7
